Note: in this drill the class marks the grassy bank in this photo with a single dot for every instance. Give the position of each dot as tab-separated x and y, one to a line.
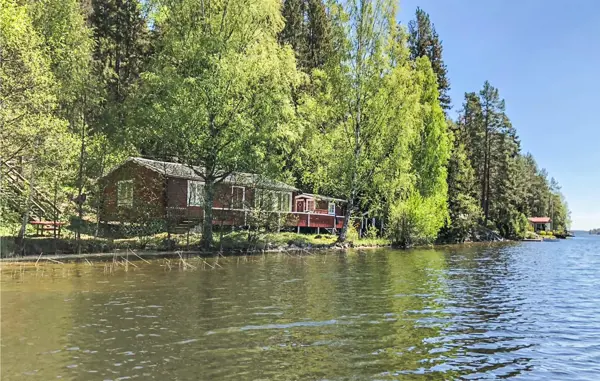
238	241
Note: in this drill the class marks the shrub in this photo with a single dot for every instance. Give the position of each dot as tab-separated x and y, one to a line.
371	232
417	220
531	235
352	234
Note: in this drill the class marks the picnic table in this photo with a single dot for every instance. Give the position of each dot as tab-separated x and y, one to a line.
42	226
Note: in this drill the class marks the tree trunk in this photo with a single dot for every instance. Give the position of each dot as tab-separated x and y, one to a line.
344	232
207	231
100	197
25	220
488	187
486	168
80	187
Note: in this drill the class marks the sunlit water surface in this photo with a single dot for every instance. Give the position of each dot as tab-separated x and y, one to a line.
528	311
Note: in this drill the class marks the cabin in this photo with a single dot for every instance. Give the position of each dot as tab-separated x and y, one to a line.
540	223
141	189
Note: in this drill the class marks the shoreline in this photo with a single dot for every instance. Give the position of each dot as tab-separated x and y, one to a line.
137	255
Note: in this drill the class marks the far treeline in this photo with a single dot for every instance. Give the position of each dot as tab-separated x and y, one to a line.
335	97
595	231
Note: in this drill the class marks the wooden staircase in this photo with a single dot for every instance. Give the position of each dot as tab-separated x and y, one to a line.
180	222
184	226
14	190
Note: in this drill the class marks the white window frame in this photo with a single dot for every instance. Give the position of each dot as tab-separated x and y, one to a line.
243	197
199	200
331	204
121	199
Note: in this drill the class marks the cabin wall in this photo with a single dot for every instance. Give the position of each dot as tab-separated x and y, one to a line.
154	197
148	194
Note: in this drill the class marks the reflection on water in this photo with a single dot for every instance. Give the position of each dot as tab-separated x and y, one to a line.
529	311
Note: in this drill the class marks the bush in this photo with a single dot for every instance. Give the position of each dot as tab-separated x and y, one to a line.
352	234
371	232
531	235
417	220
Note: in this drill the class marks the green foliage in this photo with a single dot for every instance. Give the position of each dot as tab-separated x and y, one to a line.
510	186
352	233
216	94
463	205
424	42
33	134
415	220
308	31
336	94
68	44
531	235
358	146
372	232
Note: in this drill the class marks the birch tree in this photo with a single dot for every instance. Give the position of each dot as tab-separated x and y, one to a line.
357	114
217	95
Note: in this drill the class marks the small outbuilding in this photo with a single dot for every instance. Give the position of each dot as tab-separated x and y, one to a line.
540	223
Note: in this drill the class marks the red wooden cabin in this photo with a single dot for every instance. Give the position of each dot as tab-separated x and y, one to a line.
142	189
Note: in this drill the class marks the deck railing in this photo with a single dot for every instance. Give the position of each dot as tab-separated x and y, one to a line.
320	218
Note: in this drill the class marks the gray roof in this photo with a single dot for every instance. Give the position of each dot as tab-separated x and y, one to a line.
183	171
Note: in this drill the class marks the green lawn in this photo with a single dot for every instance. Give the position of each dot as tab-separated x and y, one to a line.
232	241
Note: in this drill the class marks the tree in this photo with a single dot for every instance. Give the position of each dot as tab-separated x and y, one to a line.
353	122
68	43
216	94
419	216
30	129
122	43
493	149
463	204
425	42
485	126
308	31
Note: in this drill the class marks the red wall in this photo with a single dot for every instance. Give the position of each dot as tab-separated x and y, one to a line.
148	194
156	198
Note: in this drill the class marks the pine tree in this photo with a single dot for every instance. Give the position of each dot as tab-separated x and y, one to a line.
493	118
319	39
122	48
425	42
463	204
308	31
293	33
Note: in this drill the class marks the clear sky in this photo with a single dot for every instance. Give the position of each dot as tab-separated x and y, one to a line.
544	57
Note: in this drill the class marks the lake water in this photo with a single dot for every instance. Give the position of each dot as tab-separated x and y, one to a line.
529	311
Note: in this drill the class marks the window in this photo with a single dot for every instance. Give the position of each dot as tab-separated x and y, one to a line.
238	197
273	201
310	205
285	202
331	208
195	193
266	199
125	193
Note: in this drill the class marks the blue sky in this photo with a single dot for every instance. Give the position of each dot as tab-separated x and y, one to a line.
544	57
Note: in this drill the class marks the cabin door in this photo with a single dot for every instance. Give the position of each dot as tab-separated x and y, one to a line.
300	206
